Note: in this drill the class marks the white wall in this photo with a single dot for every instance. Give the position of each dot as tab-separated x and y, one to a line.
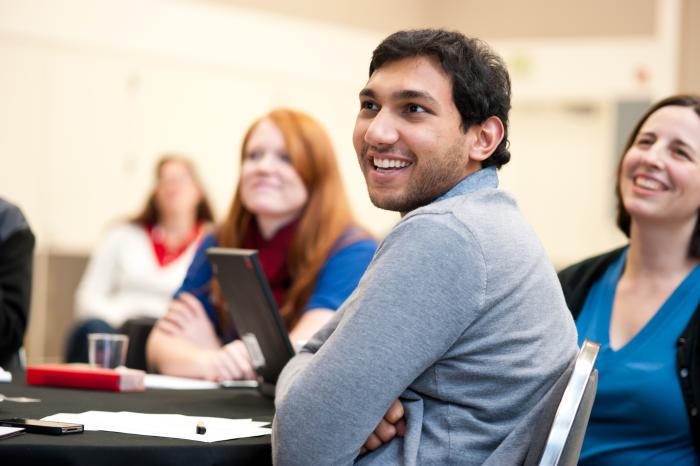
93	91
563	127
562	173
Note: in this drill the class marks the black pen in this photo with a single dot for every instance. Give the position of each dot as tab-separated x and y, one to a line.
201	429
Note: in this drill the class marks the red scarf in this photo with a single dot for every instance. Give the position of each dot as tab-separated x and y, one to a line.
273	256
164	255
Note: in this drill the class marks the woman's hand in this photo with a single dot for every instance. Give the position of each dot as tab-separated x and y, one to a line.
187	319
393	424
230	362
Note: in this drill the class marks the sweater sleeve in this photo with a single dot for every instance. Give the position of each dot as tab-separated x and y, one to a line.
409	308
97	296
15	289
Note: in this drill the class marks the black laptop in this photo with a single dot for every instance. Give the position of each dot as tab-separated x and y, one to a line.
253	311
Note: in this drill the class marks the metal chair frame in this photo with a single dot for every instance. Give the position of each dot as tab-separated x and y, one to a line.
584	378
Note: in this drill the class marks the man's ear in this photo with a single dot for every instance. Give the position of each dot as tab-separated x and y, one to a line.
488	135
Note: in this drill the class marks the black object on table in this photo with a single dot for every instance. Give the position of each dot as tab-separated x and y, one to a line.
111	448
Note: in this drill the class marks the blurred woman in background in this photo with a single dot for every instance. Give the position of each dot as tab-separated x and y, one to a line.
642	301
136	268
291	207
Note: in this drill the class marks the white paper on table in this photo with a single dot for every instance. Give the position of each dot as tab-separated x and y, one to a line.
6	431
178	383
165	425
183	383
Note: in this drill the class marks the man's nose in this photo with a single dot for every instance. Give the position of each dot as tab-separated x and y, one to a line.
381	130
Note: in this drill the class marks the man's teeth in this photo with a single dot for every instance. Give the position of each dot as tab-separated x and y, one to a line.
647	183
390	163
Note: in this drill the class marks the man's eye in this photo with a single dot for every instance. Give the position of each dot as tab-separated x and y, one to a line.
367	105
415	108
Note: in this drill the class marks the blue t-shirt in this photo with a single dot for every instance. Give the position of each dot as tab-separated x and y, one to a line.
639	416
337	278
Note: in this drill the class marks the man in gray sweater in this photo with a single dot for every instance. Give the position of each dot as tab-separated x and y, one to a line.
457	338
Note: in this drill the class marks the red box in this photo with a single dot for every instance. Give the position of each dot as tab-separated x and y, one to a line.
84	376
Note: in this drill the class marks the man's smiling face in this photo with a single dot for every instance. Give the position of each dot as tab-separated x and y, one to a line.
408	138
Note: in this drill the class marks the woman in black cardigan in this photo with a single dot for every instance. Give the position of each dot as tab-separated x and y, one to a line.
642	302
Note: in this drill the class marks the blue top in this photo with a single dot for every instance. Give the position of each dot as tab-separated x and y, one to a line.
336	280
638	417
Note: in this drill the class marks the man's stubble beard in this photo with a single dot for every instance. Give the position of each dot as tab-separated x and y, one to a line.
431	178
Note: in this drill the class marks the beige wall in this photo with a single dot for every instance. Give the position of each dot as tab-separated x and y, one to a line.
552	19
690	48
496	19
96	90
93	90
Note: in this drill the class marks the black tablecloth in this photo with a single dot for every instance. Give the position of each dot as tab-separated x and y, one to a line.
108	448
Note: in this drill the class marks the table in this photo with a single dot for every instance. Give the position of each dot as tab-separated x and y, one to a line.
110	448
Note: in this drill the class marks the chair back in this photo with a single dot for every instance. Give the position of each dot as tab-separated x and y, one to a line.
137	329
565	437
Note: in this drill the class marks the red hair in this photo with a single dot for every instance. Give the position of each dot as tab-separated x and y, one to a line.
322	221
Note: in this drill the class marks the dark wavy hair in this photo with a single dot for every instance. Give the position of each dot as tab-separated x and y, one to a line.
623	217
480	80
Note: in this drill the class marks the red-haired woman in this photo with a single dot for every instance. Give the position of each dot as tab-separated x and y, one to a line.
138	265
289	205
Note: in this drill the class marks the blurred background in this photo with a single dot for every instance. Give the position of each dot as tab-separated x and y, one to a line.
93	91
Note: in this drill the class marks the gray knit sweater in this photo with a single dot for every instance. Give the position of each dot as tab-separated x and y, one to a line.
461	316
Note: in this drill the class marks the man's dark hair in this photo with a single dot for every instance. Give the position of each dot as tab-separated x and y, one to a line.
480	81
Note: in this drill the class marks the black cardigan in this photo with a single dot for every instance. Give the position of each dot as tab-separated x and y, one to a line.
577	280
16	247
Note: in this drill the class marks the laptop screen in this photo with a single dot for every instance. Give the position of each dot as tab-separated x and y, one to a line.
253	311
